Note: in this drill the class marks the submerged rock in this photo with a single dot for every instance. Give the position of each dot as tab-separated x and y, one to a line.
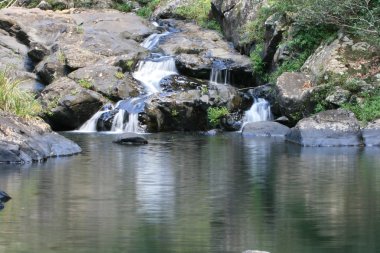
30	140
4	197
131	138
329	128
265	129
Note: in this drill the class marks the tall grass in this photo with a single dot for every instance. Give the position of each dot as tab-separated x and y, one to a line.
15	100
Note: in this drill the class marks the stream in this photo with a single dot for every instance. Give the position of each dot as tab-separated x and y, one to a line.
194	193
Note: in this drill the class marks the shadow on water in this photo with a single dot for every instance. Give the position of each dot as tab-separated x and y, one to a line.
193	193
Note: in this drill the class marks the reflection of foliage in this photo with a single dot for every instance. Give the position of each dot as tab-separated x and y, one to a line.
15	100
215	113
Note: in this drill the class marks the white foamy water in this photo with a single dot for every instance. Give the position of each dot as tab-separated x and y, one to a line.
219	76
90	125
153	39
150	72
260	111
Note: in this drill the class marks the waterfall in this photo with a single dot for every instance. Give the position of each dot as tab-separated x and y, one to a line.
219	73
90	125
260	111
118	122
150	72
153	39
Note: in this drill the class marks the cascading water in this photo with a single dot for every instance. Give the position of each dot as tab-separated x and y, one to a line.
260	111
150	72
219	73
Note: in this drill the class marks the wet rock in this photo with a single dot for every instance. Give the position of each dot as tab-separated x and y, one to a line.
30	140
265	129
196	49
231	122
108	81
269	92
4	197
181	83
106	120
371	133
233	15
131	139
67	105
329	128
293	95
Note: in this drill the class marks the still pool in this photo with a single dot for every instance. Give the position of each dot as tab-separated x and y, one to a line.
194	193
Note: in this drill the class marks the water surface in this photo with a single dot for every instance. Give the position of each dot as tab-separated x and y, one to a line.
193	193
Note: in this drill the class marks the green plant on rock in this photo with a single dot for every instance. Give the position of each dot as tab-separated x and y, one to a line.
368	109
174	113
15	100
215	113
204	89
61	57
148	7
119	75
123	7
85	83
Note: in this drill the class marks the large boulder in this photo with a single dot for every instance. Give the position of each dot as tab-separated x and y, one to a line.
199	50
131	139
187	111
67	105
294	92
24	140
265	129
109	81
371	133
329	128
233	15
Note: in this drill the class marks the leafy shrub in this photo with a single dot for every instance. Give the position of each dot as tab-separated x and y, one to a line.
15	100
119	75
215	113
123	7
148	8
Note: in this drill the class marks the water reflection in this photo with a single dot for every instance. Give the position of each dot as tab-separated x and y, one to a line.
190	193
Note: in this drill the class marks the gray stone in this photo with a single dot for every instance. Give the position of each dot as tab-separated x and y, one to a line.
329	128
43	5
67	105
339	96
30	140
371	133
131	139
265	129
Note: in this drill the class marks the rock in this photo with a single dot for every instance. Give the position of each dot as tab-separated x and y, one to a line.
167	9
339	96
269	93
329	128
231	122
181	83
43	5
4	197
233	15
196	51
371	133
108	81
131	138
30	140
51	68
293	95
255	251
187	111
67	105
37	51
265	129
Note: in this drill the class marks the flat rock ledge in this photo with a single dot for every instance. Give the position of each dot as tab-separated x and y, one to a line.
327	129
265	129
26	140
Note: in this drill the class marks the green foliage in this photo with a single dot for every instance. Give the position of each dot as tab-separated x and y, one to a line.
369	109
61	57
215	113
123	7
204	89
119	75
148	8
85	83
258	64
15	100
174	113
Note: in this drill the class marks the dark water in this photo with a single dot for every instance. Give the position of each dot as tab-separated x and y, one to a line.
191	193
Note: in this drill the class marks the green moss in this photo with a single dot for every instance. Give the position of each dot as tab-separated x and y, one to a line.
15	100
119	75
123	7
148	7
85	83
369	108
